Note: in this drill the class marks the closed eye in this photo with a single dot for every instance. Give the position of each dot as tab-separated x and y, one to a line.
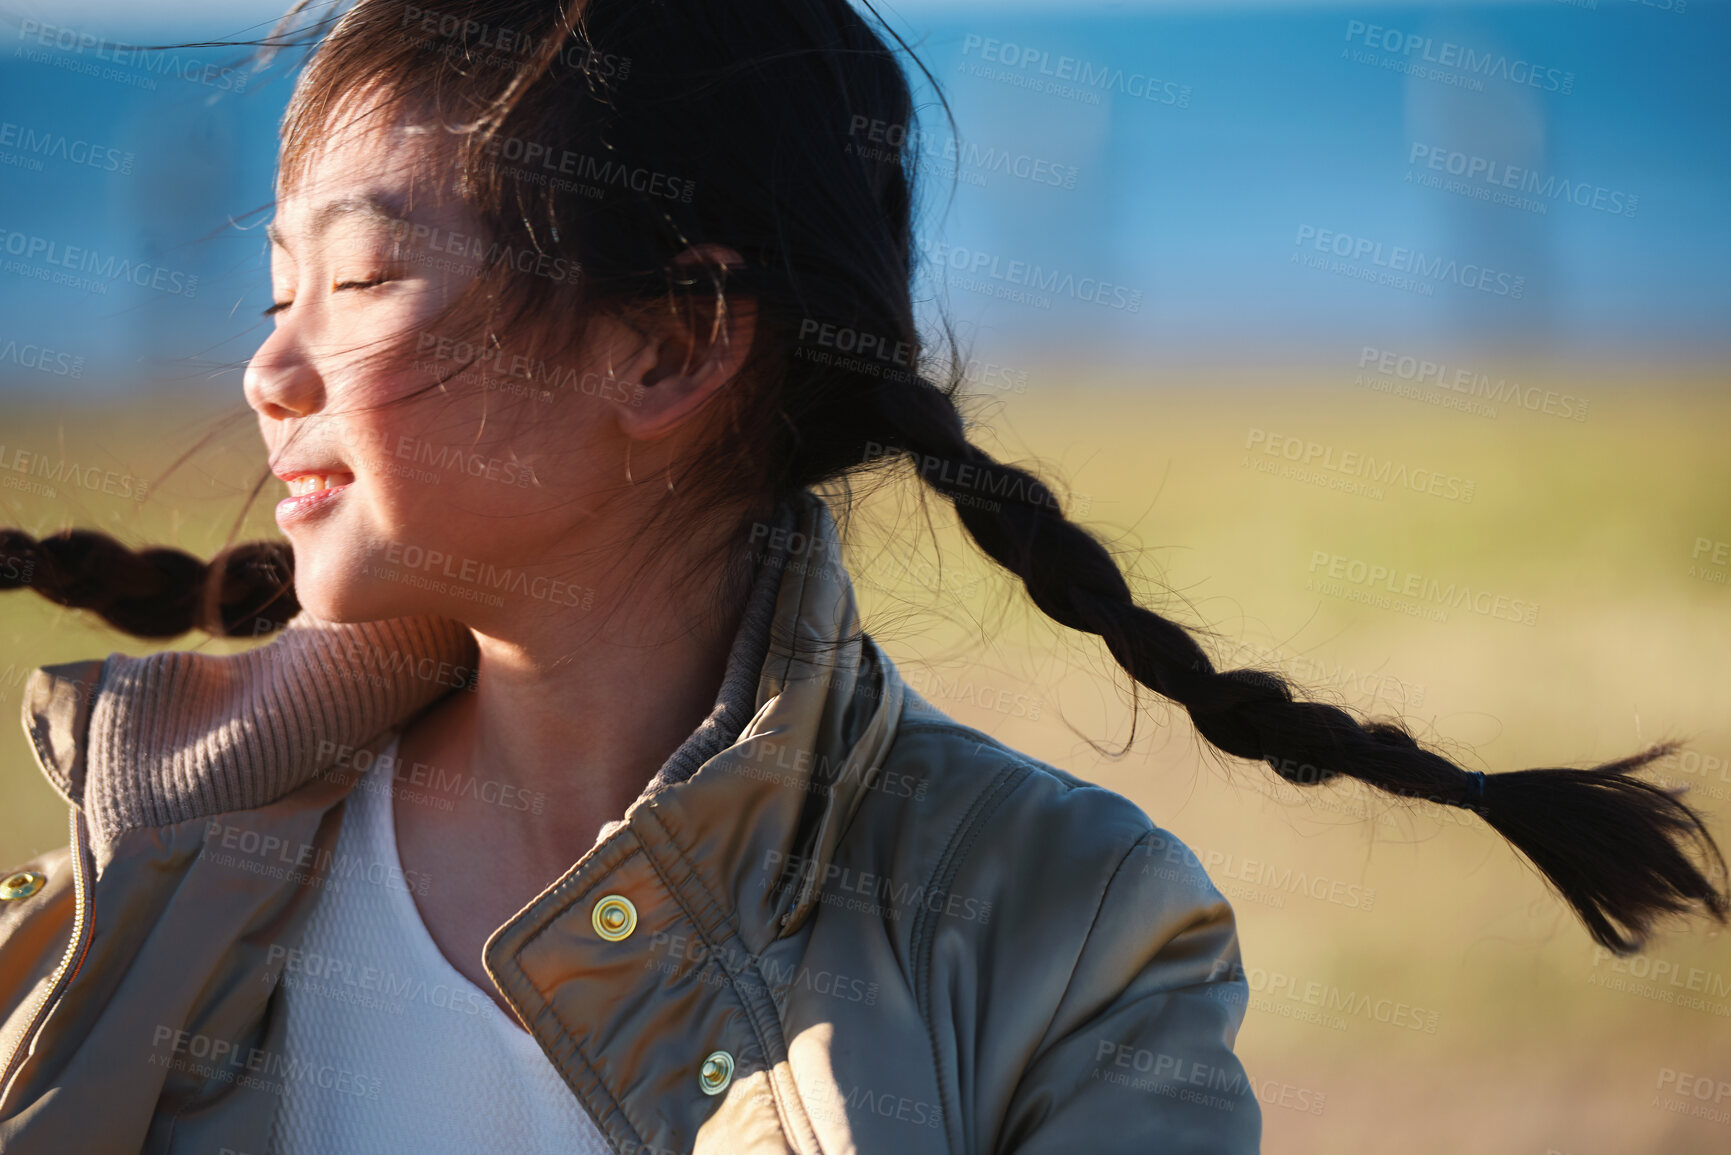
367	284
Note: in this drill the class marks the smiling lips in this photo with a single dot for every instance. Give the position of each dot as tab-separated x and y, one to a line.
310	492
302	484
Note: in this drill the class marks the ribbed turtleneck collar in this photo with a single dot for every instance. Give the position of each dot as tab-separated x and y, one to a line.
155	740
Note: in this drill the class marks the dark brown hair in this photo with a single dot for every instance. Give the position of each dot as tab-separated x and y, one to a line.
737	122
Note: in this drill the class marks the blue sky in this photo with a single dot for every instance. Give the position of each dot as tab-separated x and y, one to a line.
1236	183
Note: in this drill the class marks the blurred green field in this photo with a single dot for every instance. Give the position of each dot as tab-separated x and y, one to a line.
1489	1023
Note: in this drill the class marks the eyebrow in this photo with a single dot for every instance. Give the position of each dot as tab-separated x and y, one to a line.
370	206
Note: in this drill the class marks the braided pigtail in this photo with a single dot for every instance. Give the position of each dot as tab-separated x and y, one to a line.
1611	844
245	591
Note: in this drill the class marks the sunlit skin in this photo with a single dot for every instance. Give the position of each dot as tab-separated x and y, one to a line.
578	706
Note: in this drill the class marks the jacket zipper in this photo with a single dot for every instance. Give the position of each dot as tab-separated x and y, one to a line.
73	959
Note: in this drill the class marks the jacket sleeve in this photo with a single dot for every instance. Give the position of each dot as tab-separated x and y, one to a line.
1138	1056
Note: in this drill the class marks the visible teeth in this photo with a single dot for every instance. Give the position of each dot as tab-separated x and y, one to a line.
314	482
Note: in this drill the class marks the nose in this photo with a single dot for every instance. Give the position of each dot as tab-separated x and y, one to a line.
280	381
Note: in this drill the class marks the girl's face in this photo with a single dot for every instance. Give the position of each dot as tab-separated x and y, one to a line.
483	496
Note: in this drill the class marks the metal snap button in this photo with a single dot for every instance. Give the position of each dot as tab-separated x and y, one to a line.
614	917
21	885
716	1073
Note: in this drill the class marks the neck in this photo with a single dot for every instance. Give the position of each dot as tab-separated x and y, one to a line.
574	716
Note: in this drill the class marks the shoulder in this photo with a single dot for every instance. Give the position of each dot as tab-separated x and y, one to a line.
992	795
1028	848
1074	946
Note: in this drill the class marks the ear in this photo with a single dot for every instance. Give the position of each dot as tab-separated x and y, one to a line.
680	370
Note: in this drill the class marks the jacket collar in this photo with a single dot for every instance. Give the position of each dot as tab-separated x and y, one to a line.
806	712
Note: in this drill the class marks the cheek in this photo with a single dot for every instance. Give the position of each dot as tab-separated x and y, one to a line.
508	426
446	442
384	349
441	464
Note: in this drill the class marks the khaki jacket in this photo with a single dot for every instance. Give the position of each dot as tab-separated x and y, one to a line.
860	926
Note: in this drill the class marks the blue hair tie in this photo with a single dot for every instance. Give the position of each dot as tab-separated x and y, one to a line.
1475	789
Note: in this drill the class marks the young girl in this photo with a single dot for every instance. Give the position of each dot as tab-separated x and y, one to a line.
572	810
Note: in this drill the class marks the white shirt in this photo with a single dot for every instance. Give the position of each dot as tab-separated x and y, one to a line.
389	1047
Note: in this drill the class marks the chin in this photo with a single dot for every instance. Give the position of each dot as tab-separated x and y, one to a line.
320	603
330	590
